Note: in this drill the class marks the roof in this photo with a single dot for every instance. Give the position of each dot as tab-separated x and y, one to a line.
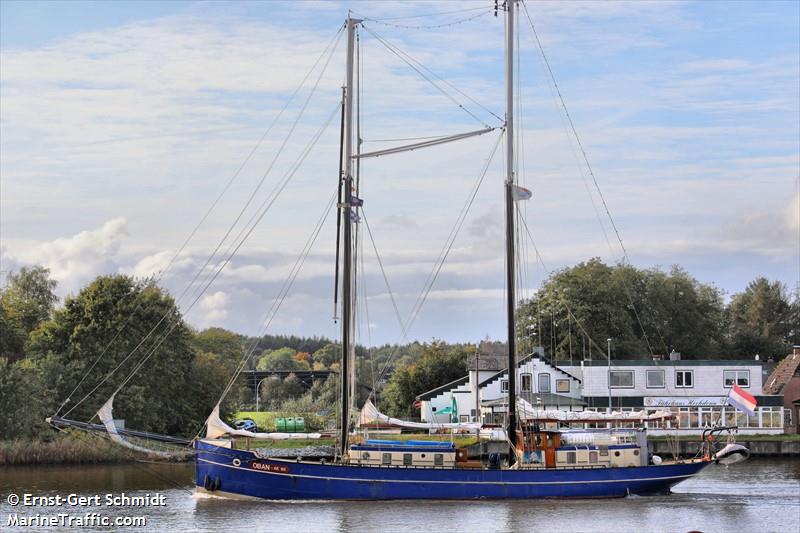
522	362
784	372
460	381
447	386
546	398
680	362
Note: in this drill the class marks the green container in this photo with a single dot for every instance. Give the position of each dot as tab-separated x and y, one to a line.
290	424
299	424
280	424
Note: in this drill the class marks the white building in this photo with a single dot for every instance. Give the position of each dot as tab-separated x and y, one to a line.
539	382
694	390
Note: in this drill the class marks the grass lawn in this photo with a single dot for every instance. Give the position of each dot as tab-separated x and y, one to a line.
265	420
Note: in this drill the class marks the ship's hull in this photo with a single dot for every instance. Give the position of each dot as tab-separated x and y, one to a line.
241	473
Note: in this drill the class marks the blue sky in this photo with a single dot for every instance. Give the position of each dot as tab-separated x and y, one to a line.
120	122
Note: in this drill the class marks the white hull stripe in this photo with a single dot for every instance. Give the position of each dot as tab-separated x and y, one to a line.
581	482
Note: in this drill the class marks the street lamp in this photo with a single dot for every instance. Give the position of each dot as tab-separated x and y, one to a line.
258	389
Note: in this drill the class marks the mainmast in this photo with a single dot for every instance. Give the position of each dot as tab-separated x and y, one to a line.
511	417
346	194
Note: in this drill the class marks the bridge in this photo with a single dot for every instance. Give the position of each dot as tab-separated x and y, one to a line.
306	377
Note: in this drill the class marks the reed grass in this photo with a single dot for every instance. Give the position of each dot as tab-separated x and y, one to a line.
62	450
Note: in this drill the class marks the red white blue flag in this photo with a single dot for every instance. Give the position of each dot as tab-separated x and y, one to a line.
742	399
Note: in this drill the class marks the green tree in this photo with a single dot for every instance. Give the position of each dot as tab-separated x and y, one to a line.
227	345
26	301
327	355
437	365
281	359
105	327
272	393
643	311
762	319
292	387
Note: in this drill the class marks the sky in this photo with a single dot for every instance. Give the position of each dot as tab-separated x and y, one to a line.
122	122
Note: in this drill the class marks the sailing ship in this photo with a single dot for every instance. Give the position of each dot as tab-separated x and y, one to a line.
542	461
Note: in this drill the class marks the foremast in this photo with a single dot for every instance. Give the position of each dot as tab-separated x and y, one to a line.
346	215
511	416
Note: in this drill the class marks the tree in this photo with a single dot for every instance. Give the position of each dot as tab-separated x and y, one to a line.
645	312
272	393
438	364
103	333
227	345
327	355
26	301
282	359
762	319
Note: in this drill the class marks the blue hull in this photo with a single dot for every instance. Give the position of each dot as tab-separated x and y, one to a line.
237	472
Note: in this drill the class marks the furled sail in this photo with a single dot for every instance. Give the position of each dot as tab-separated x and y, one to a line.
371	415
528	412
216	428
107	418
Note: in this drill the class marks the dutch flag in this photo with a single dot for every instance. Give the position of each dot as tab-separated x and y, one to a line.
742	400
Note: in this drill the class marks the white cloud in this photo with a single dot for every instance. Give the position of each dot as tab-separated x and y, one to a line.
75	260
692	147
211	311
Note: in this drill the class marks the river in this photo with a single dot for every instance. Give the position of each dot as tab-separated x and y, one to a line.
758	495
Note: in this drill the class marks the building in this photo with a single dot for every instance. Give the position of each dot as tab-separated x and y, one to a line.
694	390
785	381
539	382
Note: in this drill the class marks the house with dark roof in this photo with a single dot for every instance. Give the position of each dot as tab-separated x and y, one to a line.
478	396
785	381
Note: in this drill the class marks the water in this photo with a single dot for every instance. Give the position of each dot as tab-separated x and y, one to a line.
758	495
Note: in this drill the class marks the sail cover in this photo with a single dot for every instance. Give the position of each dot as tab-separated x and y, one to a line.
216	428
107	418
371	415
528	412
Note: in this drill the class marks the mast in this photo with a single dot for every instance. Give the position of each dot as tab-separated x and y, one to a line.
511	417
346	194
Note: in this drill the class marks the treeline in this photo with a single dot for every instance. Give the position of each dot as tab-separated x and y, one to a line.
116	336
126	336
649	312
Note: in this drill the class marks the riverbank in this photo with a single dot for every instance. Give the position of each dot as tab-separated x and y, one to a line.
87	449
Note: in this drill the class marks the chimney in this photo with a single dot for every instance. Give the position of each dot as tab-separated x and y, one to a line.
674	356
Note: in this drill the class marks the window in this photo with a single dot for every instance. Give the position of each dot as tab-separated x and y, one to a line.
465	418
687	417
544	382
571	457
710	416
503	385
438	459
740	377
562	385
527	381
604	450
387	458
655	379
684	378
621	379
592	457
407	459
771	417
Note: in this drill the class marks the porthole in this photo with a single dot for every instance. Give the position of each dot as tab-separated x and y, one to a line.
237	462
423	456
635	452
365	455
616	454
